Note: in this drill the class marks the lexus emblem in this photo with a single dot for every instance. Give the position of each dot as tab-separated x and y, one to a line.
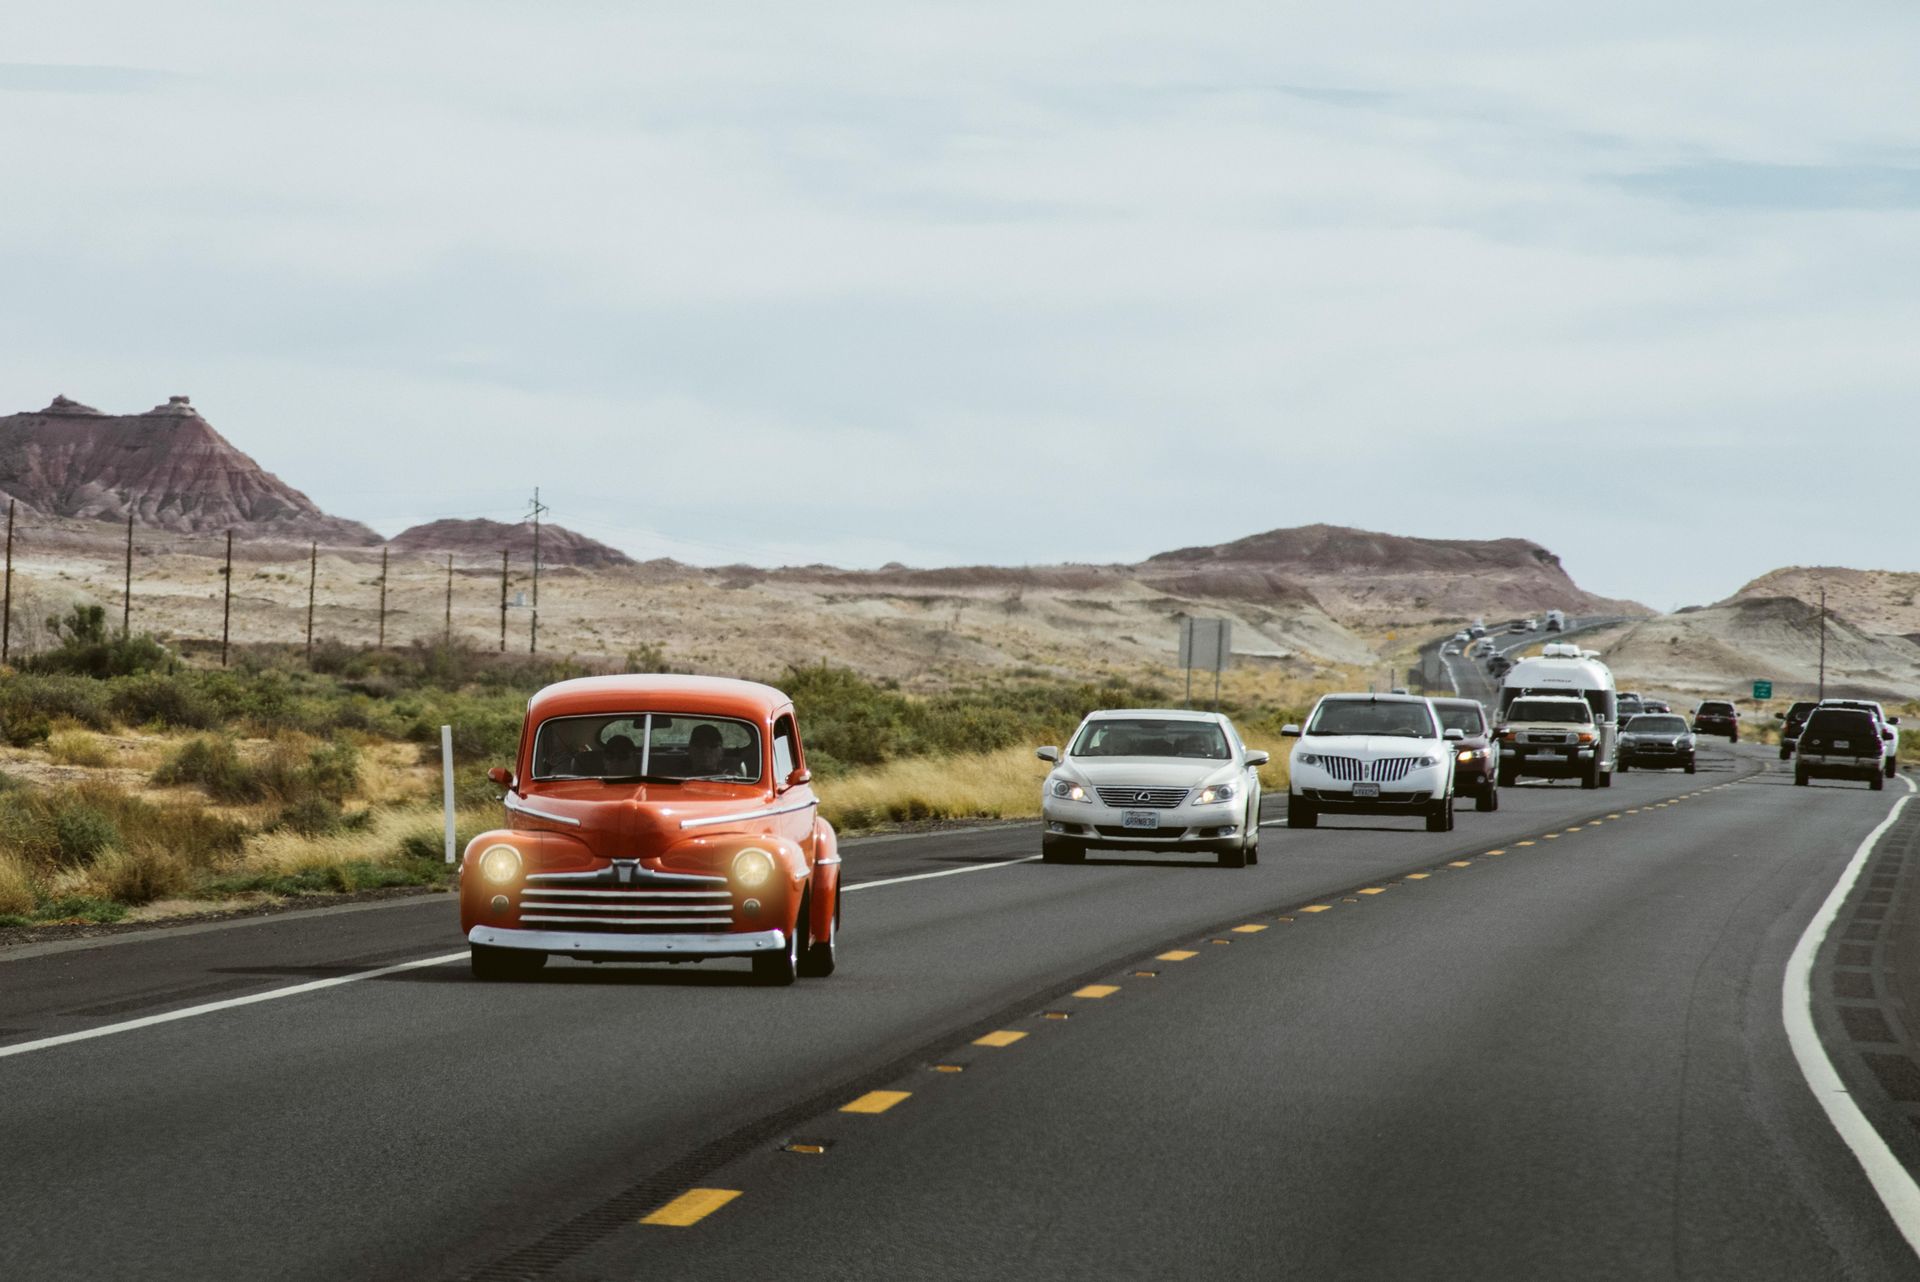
1144	798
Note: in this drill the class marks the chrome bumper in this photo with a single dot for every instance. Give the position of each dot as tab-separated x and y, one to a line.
565	942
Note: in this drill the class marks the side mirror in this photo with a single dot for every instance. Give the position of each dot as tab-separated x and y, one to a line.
1453	736
1258	758
1893	721
502	776
1779	716
1290	732
799	776
1047	753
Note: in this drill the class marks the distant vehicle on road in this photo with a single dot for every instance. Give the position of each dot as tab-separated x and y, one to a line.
1840	743
1792	722
1499	665
1152	780
1626	705
1563	671
1551	736
655	818
1476	758
1372	754
1556	621
1717	717
1529	624
1656	705
1653	741
1477	630
1889	727
1462	637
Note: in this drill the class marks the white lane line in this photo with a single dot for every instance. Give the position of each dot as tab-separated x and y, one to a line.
208	1008
944	872
1890	1179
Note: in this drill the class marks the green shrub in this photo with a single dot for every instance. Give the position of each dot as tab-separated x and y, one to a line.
87	648
179	701
213	764
81	908
30	704
82	831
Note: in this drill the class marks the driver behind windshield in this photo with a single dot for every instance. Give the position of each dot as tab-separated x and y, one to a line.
705	753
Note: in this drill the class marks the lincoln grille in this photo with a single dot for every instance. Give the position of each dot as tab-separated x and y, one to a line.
1152	798
1354	770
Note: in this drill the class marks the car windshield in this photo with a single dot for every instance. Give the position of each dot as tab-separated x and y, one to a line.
1151	737
1365	716
1550	710
656	747
1716	709
1644	724
1467	720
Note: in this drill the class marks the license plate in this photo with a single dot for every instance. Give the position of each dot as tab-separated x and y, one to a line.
1139	819
1841	743
1366	790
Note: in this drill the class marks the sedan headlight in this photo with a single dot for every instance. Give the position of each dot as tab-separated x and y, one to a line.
500	864
1068	790
752	868
1215	792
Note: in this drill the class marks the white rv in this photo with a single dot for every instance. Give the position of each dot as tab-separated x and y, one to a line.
1561	670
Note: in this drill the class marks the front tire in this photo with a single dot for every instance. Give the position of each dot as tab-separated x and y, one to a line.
1509	775
492	965
1062	850
1624	766
1488	798
1233	856
1690	765
1590	778
1893	766
822	956
1440	815
1301	813
779	969
1800	777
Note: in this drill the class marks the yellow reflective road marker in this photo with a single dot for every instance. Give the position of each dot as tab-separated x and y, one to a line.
1552	836
691	1207
1573	830
1461	863
1418	876
1523	843
1178	954
875	1102
1633	811
949	1068
1317	908
1496	852
1097	990
1249	929
1613	816
1000	1037
1374	890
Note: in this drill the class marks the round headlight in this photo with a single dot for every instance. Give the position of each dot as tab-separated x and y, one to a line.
500	864
752	867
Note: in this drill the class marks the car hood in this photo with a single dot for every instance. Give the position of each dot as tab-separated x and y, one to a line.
1370	746
635	820
1147	772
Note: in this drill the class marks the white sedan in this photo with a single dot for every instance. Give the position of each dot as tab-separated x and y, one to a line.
1372	754
1147	779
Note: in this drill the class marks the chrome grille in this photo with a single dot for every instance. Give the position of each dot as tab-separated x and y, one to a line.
1153	798
1538	736
628	897
1346	769
1391	769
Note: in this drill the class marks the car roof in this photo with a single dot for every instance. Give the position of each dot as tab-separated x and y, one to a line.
1165	714
1375	698
658	692
1552	698
1458	703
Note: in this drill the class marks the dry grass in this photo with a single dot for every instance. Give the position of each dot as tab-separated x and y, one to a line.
71	745
387	832
16	887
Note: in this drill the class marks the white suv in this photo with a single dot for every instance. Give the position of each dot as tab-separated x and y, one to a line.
1372	754
1146	779
1889	729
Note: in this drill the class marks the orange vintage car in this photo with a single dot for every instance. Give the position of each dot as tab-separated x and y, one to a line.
655	818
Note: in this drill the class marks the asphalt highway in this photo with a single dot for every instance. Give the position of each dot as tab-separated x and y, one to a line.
1547	1044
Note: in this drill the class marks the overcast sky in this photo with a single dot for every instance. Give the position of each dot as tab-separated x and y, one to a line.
1005	283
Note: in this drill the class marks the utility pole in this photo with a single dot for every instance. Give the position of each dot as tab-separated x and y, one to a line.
126	604
1823	643
313	576
381	643
6	611
448	639
503	600
538	508
226	604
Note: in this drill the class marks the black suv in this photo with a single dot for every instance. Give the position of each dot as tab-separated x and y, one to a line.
1791	723
1717	716
1840	743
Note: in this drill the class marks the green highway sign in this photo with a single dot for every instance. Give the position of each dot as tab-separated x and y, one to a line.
1763	690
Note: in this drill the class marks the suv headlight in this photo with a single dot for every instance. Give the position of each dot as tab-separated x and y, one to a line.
1428	760
1307	758
1215	792
1068	790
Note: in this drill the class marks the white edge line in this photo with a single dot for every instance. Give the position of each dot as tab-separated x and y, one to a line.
208	1008
944	872
1895	1187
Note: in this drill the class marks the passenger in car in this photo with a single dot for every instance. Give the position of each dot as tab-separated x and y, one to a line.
705	752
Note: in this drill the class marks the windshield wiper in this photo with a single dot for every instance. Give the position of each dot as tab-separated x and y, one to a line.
637	778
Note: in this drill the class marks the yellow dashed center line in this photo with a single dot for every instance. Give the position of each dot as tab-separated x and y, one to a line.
1523	843
1418	876
1496	852
1613	816
1096	990
1552	836
999	1037
1374	890
1250	928
948	1068
1178	954
875	1102
1461	863
691	1207
1317	908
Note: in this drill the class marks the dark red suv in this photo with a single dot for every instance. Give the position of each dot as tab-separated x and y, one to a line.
1717	716
1792	721
1476	765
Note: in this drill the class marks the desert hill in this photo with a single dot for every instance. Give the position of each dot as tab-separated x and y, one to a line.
167	465
481	539
1879	601
1360	575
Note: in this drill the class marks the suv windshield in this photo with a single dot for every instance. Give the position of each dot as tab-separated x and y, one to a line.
1644	724
1356	716
1544	710
1150	737
651	746
1716	710
1466	720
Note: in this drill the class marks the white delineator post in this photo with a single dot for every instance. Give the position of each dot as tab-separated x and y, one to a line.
446	781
